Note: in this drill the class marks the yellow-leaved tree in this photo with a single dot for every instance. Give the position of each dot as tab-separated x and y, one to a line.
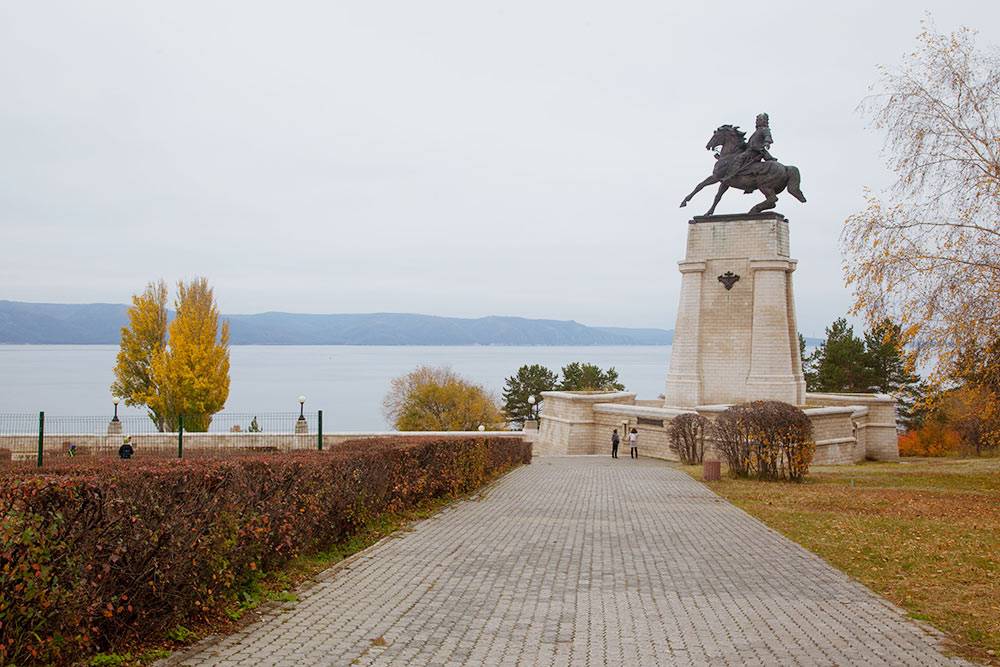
192	372
142	341
438	399
186	373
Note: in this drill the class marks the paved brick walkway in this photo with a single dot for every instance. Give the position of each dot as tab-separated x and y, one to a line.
583	561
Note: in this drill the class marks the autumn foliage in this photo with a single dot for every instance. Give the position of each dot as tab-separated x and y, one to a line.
767	440
176	370
931	439
193	370
926	253
687	437
95	555
439	399
142	341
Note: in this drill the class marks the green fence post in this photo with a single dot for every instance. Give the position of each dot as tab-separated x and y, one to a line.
180	436
319	430
41	437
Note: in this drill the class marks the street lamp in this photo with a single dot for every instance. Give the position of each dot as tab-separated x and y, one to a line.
531	403
115	401
302	406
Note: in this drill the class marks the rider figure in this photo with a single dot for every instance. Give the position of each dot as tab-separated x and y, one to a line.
756	149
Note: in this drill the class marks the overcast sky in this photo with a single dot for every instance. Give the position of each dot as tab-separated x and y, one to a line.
450	158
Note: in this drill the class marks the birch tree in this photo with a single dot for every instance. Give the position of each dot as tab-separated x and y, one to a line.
926	253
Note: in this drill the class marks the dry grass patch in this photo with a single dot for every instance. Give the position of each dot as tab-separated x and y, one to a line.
924	533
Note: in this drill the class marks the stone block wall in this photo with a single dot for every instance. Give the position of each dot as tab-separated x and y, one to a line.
834	434
877	426
651	423
568	424
736	336
846	427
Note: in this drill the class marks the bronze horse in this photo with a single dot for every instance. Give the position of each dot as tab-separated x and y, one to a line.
769	177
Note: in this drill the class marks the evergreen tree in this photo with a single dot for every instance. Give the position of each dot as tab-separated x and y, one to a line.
879	362
529	381
890	367
588	377
807	364
839	364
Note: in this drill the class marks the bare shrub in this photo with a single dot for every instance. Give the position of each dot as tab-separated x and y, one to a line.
765	439
687	437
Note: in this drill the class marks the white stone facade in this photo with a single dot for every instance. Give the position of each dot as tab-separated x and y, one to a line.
736	338
847	428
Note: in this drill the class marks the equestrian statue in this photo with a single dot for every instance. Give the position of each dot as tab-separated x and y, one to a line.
749	166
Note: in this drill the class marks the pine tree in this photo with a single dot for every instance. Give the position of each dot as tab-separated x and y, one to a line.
880	362
141	342
588	377
891	369
529	381
192	373
808	371
839	364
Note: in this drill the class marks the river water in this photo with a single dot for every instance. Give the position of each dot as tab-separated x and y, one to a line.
346	382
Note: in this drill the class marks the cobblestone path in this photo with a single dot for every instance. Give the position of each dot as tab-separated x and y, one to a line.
583	561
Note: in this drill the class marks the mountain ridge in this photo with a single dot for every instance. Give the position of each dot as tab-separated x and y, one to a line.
100	324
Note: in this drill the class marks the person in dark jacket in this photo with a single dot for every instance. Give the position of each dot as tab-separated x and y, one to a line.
615	439
126	451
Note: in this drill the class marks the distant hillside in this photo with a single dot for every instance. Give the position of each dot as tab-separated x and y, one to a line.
87	324
58	323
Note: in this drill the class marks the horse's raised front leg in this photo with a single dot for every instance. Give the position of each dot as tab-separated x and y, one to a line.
770	202
697	189
718	196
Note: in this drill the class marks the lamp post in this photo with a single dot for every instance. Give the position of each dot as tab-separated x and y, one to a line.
302	406
531	404
115	425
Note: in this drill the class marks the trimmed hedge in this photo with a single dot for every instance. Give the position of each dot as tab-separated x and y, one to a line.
94	556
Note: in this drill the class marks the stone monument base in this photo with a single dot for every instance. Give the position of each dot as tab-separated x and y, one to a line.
736	338
847	428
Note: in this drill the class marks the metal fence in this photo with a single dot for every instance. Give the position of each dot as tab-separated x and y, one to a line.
39	439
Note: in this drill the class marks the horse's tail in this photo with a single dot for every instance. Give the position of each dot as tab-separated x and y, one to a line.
793	183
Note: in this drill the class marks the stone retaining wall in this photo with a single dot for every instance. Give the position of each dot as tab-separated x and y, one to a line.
880	440
846	427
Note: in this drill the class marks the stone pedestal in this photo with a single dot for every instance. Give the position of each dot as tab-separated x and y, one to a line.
114	427
736	338
301	427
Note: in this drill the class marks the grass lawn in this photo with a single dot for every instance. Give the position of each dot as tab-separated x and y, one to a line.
924	533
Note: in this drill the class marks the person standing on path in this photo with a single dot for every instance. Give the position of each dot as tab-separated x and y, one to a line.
614	443
633	444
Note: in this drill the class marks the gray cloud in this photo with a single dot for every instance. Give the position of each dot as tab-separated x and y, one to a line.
450	158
